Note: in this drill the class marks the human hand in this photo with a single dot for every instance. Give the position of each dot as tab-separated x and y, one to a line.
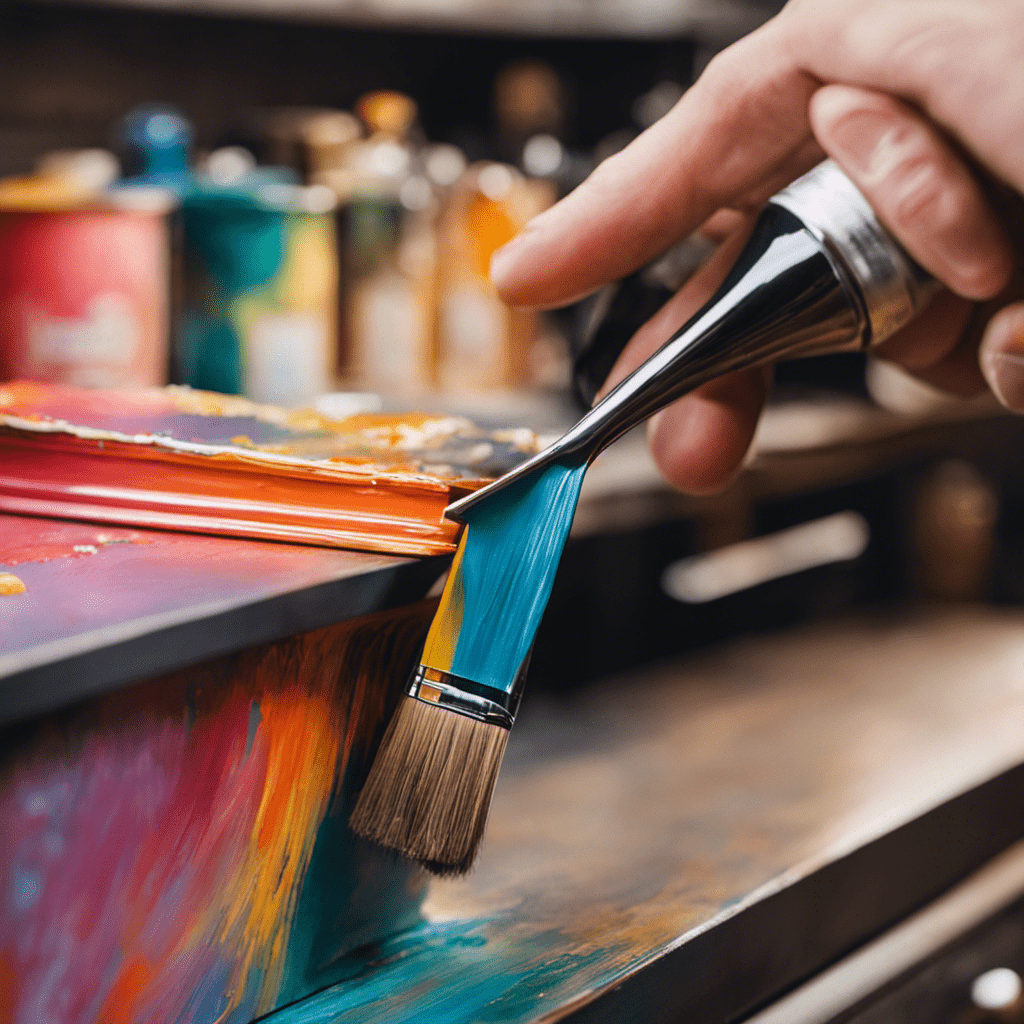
902	95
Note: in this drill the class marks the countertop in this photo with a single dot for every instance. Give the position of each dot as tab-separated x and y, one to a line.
105	606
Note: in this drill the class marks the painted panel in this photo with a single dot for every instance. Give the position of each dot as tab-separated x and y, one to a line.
179	851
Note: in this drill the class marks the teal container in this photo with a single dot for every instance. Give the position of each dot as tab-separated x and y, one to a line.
257	304
259	310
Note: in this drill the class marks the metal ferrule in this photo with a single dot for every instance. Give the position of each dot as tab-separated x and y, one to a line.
882	278
465	697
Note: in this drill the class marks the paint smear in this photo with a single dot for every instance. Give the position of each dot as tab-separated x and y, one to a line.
155	845
502	576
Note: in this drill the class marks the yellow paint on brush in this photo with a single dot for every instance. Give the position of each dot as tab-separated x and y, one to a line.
11	584
439	650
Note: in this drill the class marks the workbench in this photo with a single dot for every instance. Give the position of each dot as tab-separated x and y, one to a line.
687	842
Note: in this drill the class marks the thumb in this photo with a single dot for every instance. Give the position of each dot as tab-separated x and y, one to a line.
1002	356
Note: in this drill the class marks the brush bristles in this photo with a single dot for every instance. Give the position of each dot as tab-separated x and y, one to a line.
430	786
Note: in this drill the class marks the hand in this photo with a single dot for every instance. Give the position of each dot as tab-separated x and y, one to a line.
903	95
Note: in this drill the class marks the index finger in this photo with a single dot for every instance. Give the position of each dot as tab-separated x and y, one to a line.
734	139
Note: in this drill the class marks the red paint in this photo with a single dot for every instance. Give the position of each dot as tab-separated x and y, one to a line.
163	834
44	540
83	297
174	459
9	988
122	1003
137	485
157	573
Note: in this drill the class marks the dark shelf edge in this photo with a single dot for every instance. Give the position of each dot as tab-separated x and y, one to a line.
67	680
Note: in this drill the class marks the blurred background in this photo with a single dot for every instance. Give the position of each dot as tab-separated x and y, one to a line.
297	200
389	147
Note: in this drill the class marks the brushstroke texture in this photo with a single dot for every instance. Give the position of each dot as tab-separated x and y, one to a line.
156	843
502	576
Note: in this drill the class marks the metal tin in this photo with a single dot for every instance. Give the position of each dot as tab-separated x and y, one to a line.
261	285
84	294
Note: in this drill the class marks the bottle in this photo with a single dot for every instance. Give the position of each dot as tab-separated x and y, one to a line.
391	253
482	343
259	280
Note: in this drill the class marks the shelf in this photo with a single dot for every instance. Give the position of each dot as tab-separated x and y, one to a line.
718	21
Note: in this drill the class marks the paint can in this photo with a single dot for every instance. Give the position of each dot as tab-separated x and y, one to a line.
261	284
84	289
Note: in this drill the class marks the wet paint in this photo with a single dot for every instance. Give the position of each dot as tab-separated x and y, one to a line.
464	972
173	836
185	460
89	583
130	484
501	578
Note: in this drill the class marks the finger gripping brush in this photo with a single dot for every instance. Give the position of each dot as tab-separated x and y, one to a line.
818	275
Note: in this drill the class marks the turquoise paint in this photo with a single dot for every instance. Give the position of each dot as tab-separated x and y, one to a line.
459	972
353	893
241	244
513	545
235	239
209	352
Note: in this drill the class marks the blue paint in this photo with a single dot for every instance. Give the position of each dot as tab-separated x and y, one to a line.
513	544
239	240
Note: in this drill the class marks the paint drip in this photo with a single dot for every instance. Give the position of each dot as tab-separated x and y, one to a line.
502	576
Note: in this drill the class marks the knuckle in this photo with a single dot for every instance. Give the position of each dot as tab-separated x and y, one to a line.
923	54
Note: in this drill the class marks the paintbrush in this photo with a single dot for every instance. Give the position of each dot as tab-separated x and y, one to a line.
818	275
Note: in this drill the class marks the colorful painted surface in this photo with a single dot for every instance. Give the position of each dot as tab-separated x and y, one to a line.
88	586
178	852
634	818
179	459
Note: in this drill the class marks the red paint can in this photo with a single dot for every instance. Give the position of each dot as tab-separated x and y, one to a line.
84	294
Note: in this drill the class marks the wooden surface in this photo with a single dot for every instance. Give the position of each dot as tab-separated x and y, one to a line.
105	606
708	834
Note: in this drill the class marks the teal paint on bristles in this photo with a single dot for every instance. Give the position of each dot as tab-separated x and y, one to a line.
430	786
501	578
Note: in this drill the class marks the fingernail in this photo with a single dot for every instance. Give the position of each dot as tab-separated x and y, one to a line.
860	135
1002	354
1007	380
